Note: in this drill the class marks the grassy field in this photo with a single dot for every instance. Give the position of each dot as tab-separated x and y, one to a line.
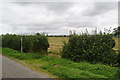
56	43
62	68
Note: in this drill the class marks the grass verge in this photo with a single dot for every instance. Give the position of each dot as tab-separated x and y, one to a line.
62	68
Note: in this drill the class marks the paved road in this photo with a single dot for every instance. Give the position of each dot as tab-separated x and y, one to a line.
12	69
0	66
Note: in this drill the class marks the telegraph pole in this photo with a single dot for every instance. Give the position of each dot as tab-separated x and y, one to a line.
21	44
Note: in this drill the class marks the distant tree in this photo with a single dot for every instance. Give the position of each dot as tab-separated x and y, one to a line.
74	32
117	31
70	33
37	33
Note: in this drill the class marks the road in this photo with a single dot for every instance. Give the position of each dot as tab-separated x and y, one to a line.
12	69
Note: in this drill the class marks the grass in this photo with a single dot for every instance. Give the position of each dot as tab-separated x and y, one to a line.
57	40
63	68
19	55
56	43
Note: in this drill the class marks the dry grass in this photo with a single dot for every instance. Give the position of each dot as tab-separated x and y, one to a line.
117	40
56	43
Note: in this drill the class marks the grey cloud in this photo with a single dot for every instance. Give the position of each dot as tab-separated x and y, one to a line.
57	7
81	24
38	27
21	17
100	8
23	3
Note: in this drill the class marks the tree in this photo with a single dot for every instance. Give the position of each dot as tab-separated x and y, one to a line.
70	33
117	31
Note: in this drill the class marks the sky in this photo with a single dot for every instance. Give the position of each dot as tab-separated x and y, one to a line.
57	18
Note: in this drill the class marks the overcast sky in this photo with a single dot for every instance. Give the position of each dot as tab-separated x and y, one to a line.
57	17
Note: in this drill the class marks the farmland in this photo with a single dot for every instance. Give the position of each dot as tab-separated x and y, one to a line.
56	43
117	40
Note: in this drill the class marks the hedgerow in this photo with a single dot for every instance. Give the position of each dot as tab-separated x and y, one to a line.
91	48
30	43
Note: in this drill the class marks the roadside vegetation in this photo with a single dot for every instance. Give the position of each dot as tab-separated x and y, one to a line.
63	68
30	43
82	56
90	48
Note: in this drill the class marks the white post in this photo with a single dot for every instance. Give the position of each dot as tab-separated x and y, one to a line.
21	44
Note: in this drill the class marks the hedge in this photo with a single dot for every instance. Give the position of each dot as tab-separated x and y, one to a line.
91	48
31	43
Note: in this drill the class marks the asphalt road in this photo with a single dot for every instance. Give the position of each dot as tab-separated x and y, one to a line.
12	69
0	66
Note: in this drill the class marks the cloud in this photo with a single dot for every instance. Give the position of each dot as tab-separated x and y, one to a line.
57	17
100	8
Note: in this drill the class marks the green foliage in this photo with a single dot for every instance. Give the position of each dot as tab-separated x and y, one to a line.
31	43
117	74
91	48
64	68
19	55
60	67
11	41
64	72
117	31
118	59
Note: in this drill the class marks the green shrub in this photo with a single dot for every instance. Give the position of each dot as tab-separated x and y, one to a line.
31	43
118	73
118	60
11	41
91	48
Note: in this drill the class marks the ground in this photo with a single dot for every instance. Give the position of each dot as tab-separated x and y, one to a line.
12	69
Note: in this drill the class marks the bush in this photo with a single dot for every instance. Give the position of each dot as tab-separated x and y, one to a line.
118	73
11	41
31	43
91	48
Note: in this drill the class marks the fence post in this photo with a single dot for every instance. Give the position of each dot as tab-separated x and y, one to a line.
21	44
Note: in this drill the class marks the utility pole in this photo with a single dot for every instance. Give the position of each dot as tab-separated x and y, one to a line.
21	44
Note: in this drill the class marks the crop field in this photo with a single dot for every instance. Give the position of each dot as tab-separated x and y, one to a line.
117	40
56	43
